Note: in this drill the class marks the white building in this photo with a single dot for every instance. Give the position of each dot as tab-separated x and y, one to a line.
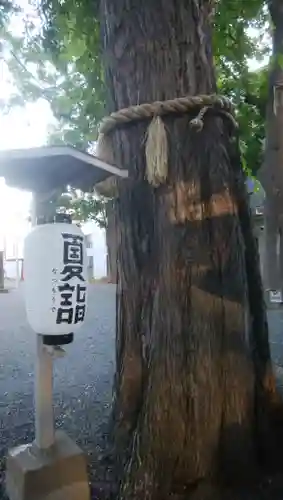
96	250
12	239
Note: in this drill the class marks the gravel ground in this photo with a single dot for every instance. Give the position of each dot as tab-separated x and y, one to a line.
82	380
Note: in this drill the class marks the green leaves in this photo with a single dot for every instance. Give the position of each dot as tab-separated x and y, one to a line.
83	207
7	7
59	59
240	32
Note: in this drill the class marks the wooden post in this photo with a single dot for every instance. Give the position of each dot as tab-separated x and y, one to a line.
43	388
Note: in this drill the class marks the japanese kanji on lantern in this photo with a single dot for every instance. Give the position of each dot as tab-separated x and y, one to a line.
55	278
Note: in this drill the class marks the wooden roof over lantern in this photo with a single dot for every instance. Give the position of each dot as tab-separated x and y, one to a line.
48	168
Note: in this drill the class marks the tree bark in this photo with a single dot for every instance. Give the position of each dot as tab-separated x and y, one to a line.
111	241
193	373
271	172
271	270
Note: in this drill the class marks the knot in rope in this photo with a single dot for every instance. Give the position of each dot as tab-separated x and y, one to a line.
156	143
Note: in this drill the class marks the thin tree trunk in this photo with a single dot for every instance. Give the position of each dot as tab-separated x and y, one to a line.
280	259
271	275
193	374
271	172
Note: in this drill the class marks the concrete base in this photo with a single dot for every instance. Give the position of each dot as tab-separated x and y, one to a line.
58	474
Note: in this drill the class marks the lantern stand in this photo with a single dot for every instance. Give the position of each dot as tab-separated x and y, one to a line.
43	386
53	466
44	423
47	348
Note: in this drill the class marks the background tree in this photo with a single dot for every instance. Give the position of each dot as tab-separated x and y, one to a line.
83	207
271	173
58	58
7	7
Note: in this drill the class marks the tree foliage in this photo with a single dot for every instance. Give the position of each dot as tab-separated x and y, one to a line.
83	207
7	7
58	58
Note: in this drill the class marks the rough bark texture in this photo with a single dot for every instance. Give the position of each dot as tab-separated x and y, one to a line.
271	271
193	379
271	173
111	242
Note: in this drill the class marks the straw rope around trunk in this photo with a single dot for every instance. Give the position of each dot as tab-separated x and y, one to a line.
156	143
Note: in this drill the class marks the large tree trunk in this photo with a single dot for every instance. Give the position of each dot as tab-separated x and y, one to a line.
193	376
271	172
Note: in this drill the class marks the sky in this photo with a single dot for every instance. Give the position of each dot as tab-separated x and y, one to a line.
21	128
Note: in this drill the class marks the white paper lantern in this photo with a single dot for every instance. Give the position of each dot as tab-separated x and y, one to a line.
55	273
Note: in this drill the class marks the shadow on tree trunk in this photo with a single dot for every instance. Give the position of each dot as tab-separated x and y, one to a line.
194	394
195	397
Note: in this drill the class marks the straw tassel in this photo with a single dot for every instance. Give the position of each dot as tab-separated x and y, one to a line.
156	147
156	152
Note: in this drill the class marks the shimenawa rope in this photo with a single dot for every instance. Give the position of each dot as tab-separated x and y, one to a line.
156	143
